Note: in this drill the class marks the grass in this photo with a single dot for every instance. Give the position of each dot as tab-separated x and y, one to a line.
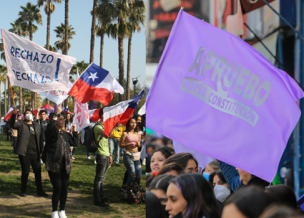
80	197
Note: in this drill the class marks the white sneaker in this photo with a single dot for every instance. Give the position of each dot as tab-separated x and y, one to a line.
73	157
95	162
62	214
89	158
144	162
41	162
55	214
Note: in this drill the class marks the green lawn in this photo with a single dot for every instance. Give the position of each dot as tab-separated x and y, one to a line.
80	197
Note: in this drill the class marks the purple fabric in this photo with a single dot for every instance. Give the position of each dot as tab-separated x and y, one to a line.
55	107
93	107
216	94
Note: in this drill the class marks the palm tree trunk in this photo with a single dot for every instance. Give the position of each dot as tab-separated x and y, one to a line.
93	31
121	64
32	93
101	48
129	67
20	100
66	22
0	100
48	26
5	98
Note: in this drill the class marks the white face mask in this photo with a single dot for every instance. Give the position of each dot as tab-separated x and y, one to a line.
29	117
221	192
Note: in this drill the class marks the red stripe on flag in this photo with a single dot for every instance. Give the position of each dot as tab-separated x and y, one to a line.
126	116
95	117
110	123
8	116
83	93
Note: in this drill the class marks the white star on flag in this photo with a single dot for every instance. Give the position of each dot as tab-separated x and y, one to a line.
93	76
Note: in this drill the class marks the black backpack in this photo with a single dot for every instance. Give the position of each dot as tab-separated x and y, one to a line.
89	139
134	194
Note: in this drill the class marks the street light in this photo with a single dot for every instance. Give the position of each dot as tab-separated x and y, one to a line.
135	80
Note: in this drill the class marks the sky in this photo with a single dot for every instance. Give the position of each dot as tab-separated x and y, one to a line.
81	20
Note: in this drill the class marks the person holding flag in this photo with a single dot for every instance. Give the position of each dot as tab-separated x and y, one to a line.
29	148
43	123
103	159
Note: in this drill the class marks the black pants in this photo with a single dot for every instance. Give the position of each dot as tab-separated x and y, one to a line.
8	135
101	172
26	162
60	182
14	141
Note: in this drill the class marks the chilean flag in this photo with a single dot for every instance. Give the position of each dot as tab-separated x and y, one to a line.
120	113
9	113
96	84
94	114
66	110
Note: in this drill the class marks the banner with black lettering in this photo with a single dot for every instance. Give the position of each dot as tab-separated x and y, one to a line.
33	67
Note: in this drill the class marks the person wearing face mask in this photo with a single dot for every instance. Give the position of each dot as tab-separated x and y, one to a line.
236	177
220	186
211	168
29	148
191	195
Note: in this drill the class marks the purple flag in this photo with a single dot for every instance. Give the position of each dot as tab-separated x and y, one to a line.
216	94
93	107
55	107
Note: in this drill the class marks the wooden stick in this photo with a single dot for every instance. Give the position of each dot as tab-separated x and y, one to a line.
37	100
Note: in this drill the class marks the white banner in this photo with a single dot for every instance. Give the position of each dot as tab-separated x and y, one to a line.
33	67
81	113
56	96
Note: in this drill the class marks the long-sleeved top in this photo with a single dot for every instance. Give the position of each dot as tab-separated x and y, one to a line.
56	150
231	175
24	135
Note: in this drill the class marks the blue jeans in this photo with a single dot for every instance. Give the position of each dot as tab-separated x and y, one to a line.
114	148
133	167
102	166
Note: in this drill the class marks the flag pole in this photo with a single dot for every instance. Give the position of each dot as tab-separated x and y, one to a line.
7	67
37	100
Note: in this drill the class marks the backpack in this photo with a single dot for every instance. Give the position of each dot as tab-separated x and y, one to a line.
89	139
133	193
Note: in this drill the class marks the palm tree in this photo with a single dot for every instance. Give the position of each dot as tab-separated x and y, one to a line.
120	28
136	18
51	48
49	8
104	20
20	28
30	14
3	72
93	29
66	23
60	33
2	51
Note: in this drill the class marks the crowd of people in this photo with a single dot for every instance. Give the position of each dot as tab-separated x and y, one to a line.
177	187
51	140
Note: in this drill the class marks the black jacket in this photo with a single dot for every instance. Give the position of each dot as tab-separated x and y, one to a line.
24	136
53	145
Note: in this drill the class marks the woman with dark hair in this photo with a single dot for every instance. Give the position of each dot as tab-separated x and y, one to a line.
159	187
158	158
220	186
192	195
154	208
173	169
130	141
247	202
186	160
283	195
57	161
